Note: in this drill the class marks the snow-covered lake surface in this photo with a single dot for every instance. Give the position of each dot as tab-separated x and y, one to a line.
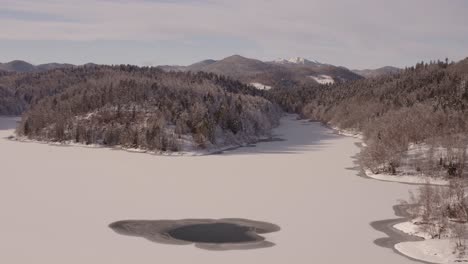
57	202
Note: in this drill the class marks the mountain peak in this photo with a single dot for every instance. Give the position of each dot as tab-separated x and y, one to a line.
296	60
23	66
236	58
17	66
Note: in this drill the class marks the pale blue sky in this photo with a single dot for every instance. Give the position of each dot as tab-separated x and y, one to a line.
355	34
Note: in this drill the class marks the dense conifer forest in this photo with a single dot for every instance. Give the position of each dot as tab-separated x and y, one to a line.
136	107
150	109
425	104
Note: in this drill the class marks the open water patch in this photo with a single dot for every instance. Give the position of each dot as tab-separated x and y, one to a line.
209	234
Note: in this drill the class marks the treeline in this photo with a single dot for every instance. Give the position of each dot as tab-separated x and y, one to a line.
441	212
427	104
140	108
21	90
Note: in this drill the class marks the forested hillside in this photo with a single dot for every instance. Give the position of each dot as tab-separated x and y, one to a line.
20	90
22	66
426	104
282	73
152	109
138	108
372	73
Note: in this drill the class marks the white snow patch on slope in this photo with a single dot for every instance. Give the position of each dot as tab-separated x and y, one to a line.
347	132
296	60
323	79
260	86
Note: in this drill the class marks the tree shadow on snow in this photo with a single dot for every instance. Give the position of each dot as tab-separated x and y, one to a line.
7	122
291	137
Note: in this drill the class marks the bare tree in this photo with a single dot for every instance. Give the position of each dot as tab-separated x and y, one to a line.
459	238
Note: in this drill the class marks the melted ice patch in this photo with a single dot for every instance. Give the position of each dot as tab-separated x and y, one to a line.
208	234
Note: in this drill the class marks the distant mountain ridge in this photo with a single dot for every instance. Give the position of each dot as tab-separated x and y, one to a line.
373	73
278	73
296	60
23	67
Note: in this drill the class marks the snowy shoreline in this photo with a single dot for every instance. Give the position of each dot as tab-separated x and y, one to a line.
405	179
302	137
192	152
343	132
395	236
404	238
91	188
402	234
399	178
184	153
426	249
188	149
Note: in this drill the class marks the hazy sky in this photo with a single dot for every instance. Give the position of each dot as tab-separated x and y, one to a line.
352	33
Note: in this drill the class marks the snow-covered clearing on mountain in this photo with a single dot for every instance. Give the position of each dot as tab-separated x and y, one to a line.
323	79
260	86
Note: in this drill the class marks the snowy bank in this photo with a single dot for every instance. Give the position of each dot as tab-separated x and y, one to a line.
429	249
346	132
407	172
409	178
187	150
412	229
416	165
432	250
61	200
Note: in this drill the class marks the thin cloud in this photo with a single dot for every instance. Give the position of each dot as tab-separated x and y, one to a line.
362	33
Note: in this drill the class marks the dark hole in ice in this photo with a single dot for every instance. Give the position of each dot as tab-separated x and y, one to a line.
209	234
213	233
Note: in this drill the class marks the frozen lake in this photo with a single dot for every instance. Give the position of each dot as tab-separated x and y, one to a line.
57	202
